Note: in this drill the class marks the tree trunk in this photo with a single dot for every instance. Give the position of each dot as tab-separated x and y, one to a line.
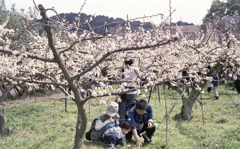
80	128
4	130
186	109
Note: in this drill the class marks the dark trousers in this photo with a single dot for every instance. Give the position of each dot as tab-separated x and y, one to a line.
149	132
209	89
112	139
127	100
237	85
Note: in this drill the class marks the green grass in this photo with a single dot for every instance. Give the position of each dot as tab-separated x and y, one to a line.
42	123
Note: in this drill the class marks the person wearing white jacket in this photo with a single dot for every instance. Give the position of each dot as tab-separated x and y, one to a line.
128	75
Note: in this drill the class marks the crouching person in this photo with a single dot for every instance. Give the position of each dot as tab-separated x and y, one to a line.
103	122
115	136
141	121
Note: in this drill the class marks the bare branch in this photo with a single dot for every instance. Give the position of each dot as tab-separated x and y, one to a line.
76	42
82	6
194	48
66	93
50	41
26	29
131	90
28	55
35	5
4	95
36	82
116	51
215	49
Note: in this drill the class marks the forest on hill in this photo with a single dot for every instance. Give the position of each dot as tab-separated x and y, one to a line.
100	23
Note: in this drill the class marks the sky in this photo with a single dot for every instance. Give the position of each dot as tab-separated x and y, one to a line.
191	11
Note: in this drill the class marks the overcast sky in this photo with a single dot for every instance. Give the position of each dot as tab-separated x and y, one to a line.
191	11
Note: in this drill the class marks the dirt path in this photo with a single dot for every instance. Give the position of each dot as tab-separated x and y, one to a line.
31	98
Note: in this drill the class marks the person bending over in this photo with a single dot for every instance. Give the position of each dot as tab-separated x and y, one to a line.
141	121
116	135
103	122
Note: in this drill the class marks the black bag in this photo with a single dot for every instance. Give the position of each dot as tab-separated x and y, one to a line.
88	134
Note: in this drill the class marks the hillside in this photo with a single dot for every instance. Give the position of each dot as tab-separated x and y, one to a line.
100	20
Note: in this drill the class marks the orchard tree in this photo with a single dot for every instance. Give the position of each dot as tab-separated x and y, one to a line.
65	58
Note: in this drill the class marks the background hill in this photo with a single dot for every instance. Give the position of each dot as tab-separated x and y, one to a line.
100	20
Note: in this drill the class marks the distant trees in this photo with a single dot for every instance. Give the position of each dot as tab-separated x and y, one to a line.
180	23
100	23
225	16
218	9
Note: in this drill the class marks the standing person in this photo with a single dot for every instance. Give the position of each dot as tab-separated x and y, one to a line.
116	135
141	121
210	86
128	74
187	78
236	79
215	83
103	122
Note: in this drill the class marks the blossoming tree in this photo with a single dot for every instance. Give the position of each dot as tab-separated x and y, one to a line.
65	58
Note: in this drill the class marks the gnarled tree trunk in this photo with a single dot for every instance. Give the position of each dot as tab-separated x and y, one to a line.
4	130
187	104
80	128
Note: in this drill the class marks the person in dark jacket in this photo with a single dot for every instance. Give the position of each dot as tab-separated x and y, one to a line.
236	79
141	121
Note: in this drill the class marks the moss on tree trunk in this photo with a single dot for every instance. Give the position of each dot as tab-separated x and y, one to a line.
4	130
186	109
80	128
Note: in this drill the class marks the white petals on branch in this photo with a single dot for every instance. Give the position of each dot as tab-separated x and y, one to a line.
94	93
24	55
79	52
72	36
15	52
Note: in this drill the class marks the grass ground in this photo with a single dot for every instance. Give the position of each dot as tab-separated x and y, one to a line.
40	121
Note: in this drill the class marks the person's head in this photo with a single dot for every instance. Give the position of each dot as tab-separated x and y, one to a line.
112	109
129	62
126	127
141	106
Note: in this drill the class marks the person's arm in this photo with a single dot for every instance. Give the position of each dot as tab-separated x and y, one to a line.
131	115
124	143
150	123
119	74
99	124
108	131
150	116
135	134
